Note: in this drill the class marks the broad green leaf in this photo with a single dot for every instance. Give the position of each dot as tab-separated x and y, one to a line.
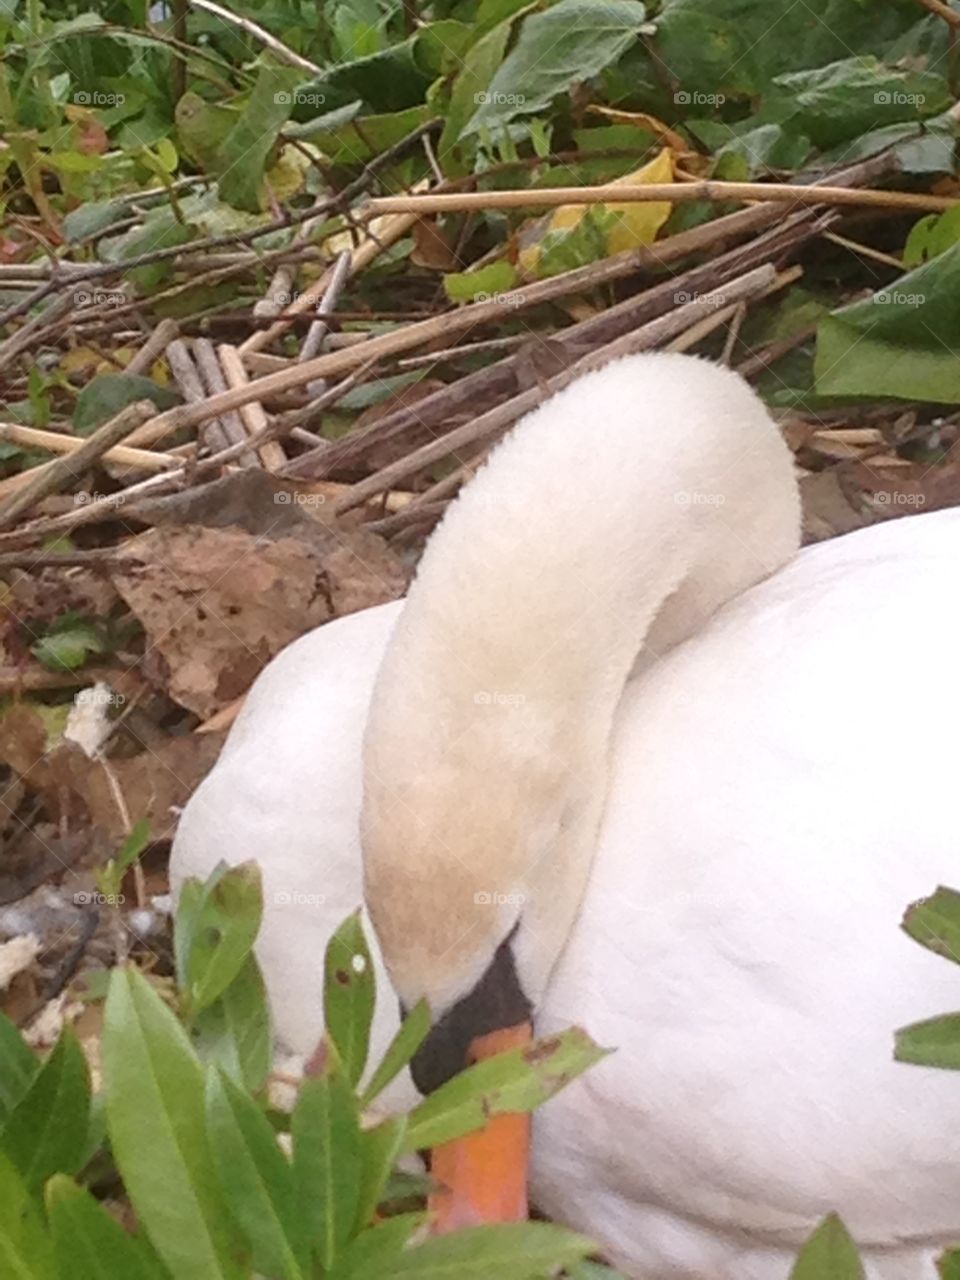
379	1148
410	1036
931	236
948	1266
257	1180
934	1042
518	1080
68	644
829	1254
736	48
222	930
89	1243
509	1251
46	1132
479	68
902	342
348	995
372	1252
387	81
156	1121
160	230
18	1066
934	922
235	1031
105	395
243	154
481	284
572	40
25	1249
326	1156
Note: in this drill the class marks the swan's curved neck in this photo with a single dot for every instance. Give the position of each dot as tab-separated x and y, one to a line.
609	526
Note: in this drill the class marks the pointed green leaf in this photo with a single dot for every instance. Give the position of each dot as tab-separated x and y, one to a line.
216	930
257	1180
25	1249
348	995
105	395
948	1266
326	1156
370	1255
518	1080
90	1245
379	1148
934	922
18	1066
413	1031
155	1117
243	154
932	1043
235	1031
510	1251
46	1132
829	1254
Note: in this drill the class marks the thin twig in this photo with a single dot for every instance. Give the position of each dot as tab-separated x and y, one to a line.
674	192
276	46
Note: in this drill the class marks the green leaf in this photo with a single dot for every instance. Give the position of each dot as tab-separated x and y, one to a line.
348	995
18	1066
931	236
257	1180
482	283
105	395
235	1031
479	68
903	342
379	1148
572	40
518	1080
326	1156
46	1132
934	922
410	1036
93	217
68	644
948	1266
89	1243
155	1117
510	1251
25	1249
243	154
372	1252
829	1254
216	932
934	1042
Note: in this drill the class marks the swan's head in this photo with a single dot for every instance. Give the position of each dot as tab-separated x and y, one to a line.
475	860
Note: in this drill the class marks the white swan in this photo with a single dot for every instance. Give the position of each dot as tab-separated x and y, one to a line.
705	865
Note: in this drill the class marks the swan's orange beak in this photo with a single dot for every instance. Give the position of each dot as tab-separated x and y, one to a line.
483	1177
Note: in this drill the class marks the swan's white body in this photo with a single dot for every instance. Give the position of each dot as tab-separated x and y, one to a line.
781	786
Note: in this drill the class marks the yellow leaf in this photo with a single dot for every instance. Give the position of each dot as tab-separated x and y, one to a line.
575	234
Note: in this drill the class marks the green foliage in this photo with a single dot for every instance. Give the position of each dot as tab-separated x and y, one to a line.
829	1254
69	642
195	1142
